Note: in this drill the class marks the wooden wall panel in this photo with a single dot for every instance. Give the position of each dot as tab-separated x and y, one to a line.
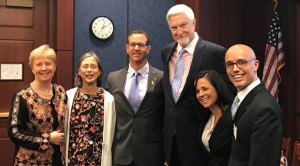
231	24
16	33
41	23
64	71
21	30
2	2
7	147
16	17
65	31
65	11
296	75
12	52
255	27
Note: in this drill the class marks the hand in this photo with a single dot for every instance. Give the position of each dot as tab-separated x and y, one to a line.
56	137
282	160
166	163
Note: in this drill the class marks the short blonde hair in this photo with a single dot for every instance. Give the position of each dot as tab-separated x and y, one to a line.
42	51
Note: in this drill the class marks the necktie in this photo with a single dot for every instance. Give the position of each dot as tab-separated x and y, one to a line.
234	106
179	68
134	92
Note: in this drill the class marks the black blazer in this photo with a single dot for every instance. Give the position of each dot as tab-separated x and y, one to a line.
259	130
138	136
184	116
220	140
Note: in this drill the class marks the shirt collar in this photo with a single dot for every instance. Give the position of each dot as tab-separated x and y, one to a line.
143	71
242	94
190	48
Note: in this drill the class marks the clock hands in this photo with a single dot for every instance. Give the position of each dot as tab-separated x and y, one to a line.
103	26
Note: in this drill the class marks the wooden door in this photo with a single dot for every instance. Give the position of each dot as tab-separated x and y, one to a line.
22	28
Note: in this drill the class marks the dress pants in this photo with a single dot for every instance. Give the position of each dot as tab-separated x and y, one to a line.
174	159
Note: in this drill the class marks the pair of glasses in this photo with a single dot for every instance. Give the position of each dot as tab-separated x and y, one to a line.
140	45
239	63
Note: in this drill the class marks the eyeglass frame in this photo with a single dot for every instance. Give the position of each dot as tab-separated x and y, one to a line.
140	45
239	63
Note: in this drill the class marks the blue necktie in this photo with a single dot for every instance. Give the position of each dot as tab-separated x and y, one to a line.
179	68
234	106
134	92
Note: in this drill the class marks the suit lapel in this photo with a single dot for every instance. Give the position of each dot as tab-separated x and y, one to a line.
167	73
151	84
120	84
152	79
194	68
242	107
219	128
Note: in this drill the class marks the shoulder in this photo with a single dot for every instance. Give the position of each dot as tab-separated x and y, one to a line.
116	73
155	70
210	45
108	96
169	47
22	91
59	88
71	91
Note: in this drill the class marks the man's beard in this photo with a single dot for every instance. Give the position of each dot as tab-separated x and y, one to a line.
183	41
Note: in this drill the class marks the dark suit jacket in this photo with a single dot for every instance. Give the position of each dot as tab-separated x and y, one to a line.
259	130
183	116
138	136
220	140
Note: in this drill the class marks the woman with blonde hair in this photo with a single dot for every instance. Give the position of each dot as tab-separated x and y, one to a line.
37	112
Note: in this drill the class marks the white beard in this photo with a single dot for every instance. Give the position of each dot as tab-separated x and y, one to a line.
183	41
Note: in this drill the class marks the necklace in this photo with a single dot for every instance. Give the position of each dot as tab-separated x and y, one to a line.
44	93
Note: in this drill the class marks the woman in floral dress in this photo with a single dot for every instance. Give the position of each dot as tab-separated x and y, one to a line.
90	118
37	113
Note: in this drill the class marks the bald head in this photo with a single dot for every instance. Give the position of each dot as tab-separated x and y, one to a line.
241	50
241	65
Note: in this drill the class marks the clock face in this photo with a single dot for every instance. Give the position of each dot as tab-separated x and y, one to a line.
102	27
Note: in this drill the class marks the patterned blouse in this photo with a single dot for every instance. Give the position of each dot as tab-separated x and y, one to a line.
86	129
31	120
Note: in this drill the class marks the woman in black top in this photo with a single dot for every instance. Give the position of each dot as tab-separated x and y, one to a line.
216	132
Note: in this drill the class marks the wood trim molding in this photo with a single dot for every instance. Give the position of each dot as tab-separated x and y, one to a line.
4	114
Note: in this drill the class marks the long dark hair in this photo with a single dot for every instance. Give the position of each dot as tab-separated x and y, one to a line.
225	97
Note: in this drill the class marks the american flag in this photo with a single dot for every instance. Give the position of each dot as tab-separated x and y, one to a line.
274	57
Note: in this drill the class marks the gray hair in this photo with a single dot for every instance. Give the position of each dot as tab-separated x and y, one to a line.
181	8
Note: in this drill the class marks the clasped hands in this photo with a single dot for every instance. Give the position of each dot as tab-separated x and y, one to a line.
57	137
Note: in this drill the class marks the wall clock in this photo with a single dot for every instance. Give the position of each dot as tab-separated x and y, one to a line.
102	27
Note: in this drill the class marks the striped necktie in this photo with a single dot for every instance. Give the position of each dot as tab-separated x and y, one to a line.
179	69
234	106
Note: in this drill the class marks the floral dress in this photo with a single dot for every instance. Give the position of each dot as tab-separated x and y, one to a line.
86	129
31	120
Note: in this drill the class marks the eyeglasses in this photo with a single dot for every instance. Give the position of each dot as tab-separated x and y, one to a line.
140	45
239	63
